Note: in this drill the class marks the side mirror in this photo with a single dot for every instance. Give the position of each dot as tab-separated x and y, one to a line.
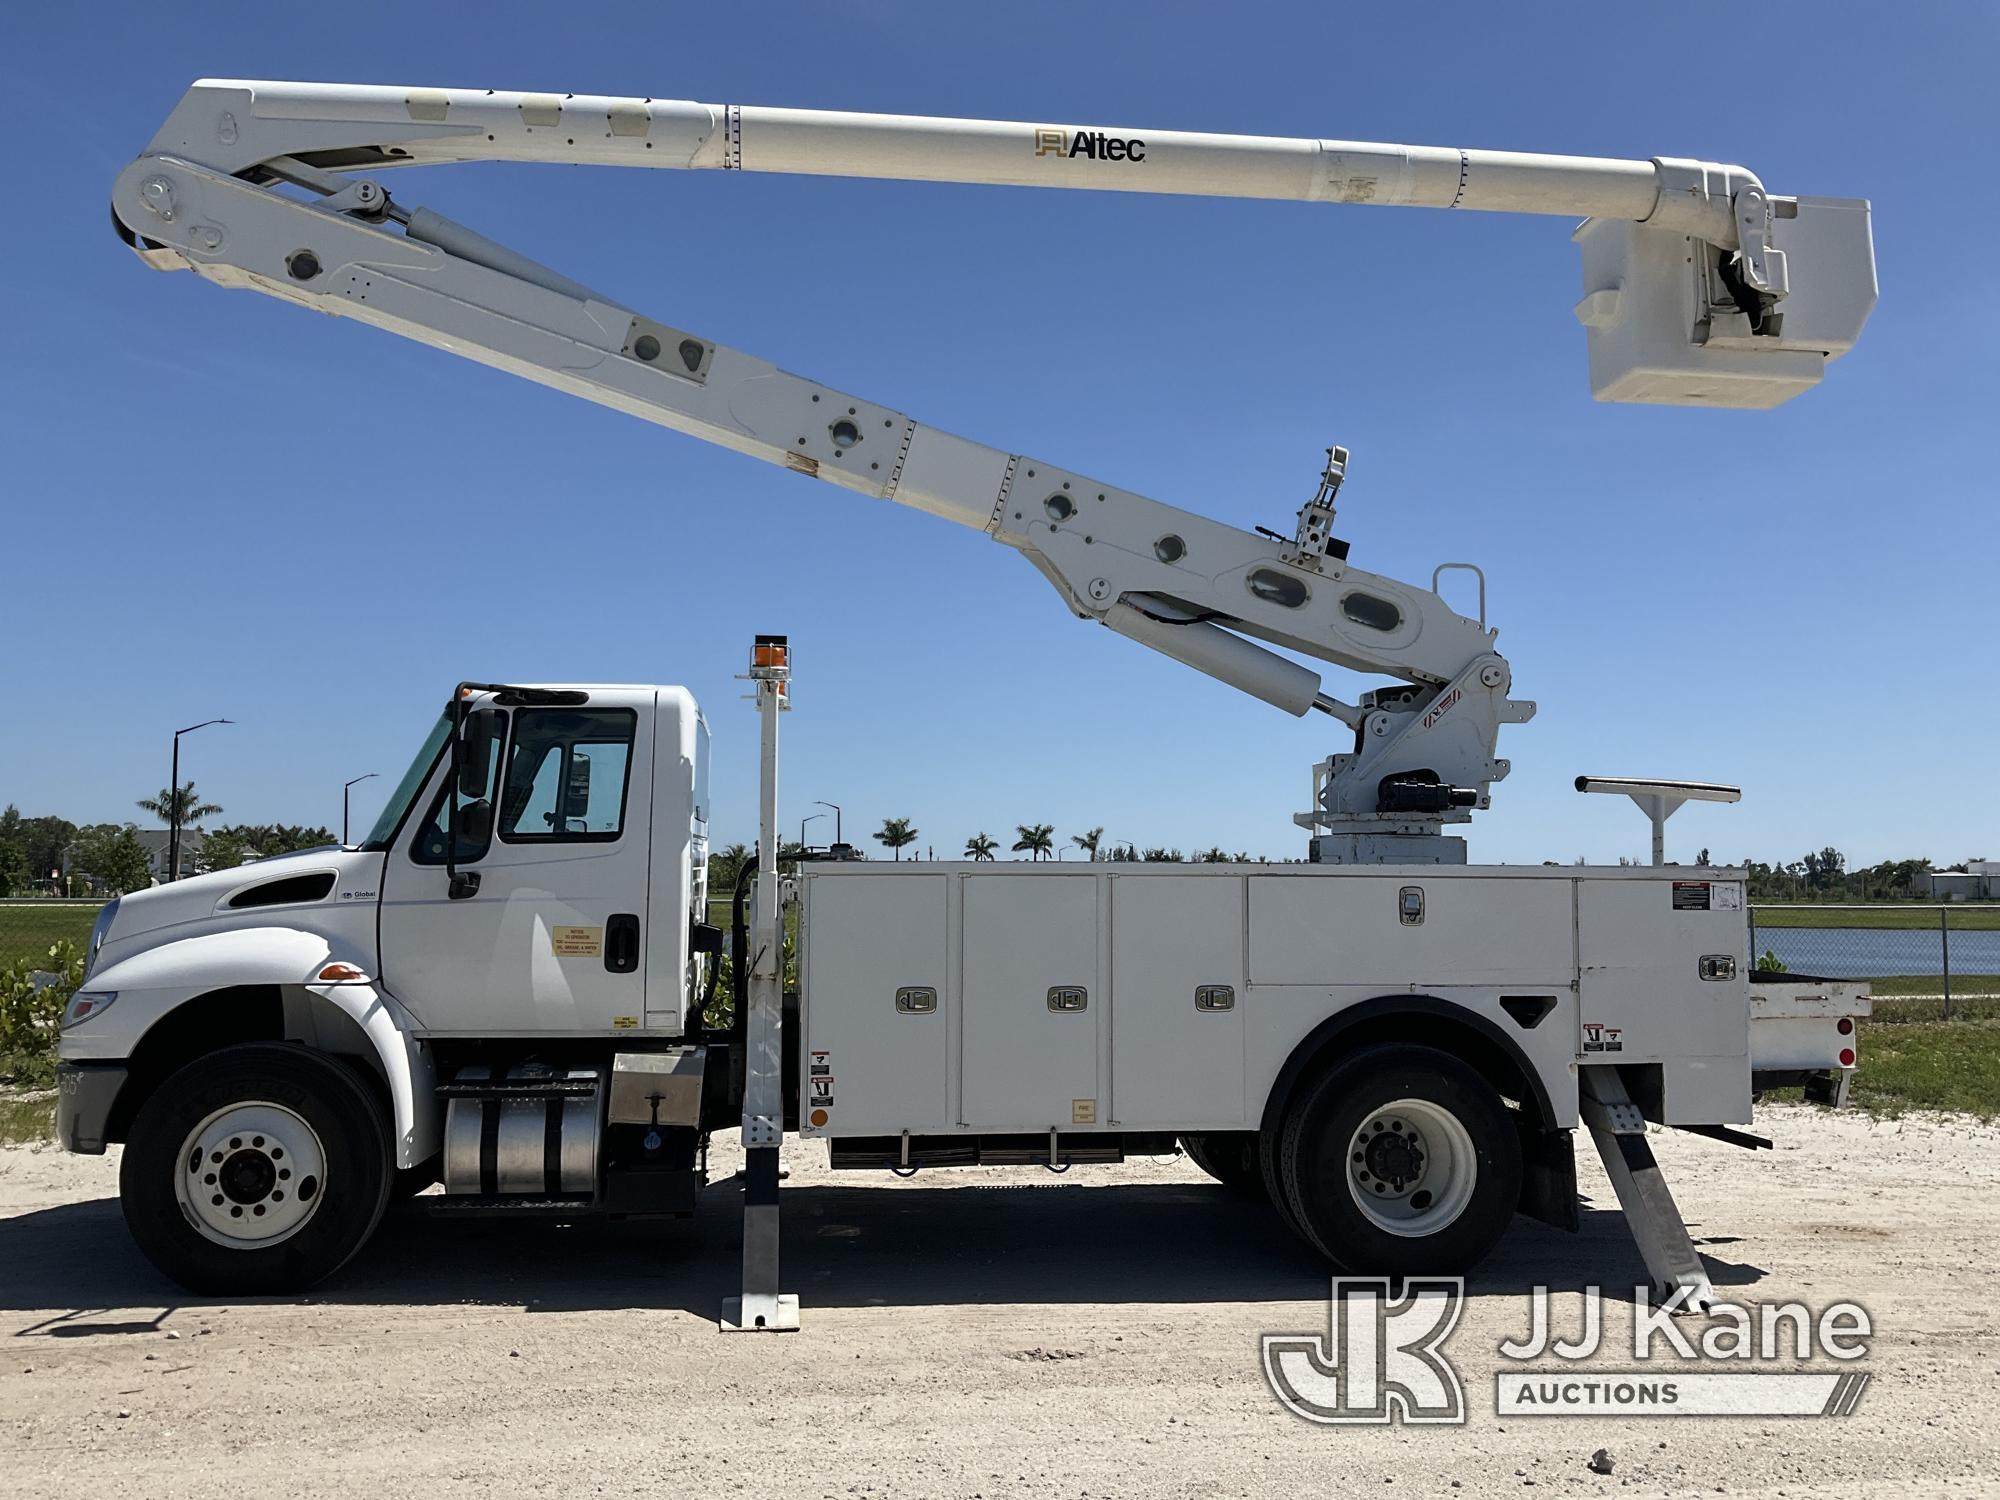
576	796
474	754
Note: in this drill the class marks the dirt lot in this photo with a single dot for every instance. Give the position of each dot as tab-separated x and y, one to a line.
985	1335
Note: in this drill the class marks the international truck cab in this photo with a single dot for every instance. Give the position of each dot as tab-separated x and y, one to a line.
565	921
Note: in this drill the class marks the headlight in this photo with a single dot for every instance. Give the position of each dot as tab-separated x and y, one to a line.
86	1005
99	929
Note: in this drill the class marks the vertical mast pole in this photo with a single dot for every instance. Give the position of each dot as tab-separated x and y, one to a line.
762	1307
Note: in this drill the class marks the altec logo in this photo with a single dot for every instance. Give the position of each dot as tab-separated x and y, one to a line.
1444	706
1094	144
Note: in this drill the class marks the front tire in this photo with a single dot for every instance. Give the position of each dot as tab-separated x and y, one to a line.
257	1169
1401	1160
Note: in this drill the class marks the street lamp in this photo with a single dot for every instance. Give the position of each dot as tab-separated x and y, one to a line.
836	819
174	799
343	802
814	818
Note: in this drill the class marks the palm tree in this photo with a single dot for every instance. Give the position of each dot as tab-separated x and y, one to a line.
1038	840
980	847
896	832
1088	842
181	807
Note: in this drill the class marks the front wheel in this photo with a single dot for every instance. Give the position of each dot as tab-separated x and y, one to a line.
1401	1160
257	1169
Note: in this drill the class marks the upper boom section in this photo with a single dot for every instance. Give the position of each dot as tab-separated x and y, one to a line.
1778	287
343	126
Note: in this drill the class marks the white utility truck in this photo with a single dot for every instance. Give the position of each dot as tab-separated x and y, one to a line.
503	988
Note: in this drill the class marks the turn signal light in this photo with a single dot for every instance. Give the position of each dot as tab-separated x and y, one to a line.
1847	1057
1845	1026
338	973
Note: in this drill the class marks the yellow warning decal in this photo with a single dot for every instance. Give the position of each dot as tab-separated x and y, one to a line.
576	942
1083	1111
625	1023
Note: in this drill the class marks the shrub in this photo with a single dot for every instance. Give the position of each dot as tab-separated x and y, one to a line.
31	1012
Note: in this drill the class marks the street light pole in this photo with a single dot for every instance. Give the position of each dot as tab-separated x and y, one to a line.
174	799
814	818
343	803
837	836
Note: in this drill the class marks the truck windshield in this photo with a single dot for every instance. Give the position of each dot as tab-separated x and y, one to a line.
407	789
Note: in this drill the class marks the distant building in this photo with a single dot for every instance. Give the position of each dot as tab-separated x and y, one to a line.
1978	881
155	841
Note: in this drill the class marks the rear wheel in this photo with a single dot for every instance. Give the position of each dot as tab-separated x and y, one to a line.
1230	1157
1401	1160
260	1168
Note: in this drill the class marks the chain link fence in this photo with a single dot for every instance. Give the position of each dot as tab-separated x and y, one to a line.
29	927
1921	962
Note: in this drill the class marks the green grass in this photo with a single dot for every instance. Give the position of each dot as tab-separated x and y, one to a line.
1925	1065
27	928
1952	1065
25	1120
1879	918
1894	1010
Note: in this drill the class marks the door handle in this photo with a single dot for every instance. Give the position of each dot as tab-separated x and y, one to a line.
621	942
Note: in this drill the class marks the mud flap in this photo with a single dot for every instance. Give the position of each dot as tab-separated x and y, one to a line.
1548	1177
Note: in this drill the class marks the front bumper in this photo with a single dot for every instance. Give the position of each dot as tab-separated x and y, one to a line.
85	1096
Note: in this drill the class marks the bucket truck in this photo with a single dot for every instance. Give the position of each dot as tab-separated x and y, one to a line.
504	988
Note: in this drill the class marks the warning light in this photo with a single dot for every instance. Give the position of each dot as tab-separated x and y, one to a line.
1847	1057
771	651
1845	1026
818	1117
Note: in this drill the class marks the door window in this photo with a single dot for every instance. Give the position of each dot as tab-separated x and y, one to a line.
567	770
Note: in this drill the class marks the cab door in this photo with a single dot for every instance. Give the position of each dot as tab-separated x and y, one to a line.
551	937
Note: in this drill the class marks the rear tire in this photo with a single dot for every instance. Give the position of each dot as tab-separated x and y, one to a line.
258	1169
1230	1157
1401	1160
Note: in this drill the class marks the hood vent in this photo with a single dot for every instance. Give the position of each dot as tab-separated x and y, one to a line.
291	891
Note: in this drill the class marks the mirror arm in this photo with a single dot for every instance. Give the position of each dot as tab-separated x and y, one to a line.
451	792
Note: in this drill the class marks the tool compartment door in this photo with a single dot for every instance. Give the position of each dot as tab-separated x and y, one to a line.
886	1069
1643	998
1177	940
1026	1064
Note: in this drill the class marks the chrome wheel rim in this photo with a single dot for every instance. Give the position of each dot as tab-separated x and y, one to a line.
1411	1168
251	1175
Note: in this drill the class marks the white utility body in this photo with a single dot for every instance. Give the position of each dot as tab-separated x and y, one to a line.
508	986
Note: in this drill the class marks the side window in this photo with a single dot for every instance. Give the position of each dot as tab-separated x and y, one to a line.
427	848
566	775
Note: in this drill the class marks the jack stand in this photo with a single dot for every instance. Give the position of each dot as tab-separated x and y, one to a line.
1619	1131
762	1308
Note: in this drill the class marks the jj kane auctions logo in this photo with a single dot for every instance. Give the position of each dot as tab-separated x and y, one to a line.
1381	1359
1094	144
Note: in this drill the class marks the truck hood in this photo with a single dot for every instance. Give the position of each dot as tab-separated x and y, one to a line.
207	899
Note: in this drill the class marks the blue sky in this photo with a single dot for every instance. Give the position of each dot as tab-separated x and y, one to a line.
220	505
